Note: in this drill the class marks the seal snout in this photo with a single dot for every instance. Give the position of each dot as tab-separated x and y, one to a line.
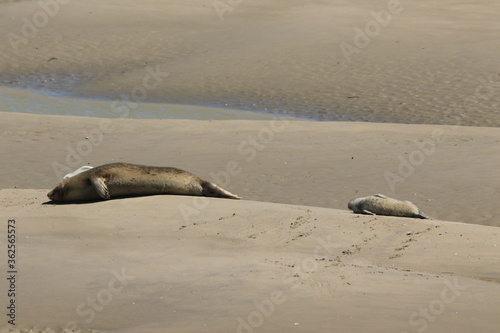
50	195
55	194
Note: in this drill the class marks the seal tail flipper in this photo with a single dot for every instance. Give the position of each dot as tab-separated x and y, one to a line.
422	215
212	190
100	187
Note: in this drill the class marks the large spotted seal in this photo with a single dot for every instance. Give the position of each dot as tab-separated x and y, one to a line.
125	180
379	204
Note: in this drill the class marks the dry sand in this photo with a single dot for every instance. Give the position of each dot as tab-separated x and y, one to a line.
217	265
289	257
449	172
427	63
141	265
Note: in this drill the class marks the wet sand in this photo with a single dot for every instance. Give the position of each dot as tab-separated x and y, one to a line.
413	63
46	103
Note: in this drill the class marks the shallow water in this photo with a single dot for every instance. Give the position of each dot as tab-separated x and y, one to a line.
38	102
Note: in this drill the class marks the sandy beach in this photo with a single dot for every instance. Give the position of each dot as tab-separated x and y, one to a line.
323	164
223	89
138	265
288	257
408	62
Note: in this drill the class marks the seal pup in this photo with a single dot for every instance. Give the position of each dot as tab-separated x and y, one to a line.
125	180
379	204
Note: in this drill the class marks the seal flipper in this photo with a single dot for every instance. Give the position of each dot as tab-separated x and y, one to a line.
422	215
100	187
211	190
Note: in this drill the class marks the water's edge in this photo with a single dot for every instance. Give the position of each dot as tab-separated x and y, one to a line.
47	103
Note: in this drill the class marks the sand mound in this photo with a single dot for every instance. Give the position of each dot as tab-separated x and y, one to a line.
189	264
448	172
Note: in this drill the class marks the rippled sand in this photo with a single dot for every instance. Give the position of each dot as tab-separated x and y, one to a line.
424	63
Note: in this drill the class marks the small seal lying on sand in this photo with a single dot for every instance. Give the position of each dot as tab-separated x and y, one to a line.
379	204
126	180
